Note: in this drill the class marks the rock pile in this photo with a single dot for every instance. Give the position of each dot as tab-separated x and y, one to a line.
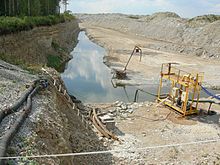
122	110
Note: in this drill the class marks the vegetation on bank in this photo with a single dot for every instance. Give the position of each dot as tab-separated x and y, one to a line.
15	24
20	62
22	15
206	18
19	15
54	61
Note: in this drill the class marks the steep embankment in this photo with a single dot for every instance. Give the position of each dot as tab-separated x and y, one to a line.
51	128
197	36
42	45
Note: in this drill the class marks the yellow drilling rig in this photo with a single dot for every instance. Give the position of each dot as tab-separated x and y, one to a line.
184	91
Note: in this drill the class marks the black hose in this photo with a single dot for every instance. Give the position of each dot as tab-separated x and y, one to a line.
5	140
16	105
152	94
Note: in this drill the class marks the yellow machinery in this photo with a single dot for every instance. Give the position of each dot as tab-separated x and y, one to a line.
184	91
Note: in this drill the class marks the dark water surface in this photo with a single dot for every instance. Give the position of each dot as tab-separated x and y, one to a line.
89	79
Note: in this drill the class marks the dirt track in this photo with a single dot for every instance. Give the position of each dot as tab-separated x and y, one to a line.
120	45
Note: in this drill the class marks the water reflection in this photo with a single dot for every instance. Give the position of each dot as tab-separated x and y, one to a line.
88	78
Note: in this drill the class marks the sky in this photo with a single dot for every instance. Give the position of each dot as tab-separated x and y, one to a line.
184	8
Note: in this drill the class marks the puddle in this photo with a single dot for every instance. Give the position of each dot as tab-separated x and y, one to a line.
89	79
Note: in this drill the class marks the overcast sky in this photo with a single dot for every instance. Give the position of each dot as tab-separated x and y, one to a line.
185	8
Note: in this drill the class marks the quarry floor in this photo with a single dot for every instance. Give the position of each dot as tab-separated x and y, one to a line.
153	125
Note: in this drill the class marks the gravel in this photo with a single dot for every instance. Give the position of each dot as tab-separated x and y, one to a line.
168	30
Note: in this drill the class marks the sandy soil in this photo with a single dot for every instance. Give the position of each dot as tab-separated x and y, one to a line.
151	125
120	45
148	128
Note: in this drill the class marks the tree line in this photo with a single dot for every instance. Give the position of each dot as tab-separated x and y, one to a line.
30	7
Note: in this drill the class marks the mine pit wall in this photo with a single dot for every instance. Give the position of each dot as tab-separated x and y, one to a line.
34	46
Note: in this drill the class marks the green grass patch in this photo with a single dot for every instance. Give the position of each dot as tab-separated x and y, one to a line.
54	61
32	69
15	24
11	60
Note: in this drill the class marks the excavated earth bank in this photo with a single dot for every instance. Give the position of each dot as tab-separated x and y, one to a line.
40	46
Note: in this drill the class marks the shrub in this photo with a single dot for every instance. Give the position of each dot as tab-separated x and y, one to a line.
54	61
206	18
133	17
16	24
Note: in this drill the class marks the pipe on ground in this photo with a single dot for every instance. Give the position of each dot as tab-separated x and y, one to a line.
18	103
5	140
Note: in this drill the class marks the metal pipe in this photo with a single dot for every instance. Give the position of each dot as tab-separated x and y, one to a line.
135	48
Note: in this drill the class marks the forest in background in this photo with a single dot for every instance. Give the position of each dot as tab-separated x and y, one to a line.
30	7
19	15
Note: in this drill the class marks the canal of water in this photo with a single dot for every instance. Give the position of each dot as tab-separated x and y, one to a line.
89	79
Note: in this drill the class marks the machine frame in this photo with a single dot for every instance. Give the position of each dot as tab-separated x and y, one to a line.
184	91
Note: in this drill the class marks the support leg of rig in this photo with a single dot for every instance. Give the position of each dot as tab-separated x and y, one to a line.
210	105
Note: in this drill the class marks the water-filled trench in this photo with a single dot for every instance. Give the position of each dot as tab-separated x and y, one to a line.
89	79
